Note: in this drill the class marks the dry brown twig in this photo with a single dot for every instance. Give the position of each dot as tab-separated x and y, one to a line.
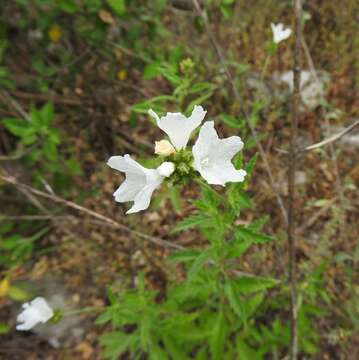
292	165
105	219
238	97
332	139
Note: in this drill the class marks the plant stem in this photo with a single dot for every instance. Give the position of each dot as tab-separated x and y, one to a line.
265	66
84	310
291	183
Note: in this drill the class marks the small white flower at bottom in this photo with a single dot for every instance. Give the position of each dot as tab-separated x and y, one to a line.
280	33
35	312
212	156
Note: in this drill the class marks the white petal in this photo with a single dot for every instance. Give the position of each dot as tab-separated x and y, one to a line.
130	187
143	198
139	183
280	33
125	164
212	156
178	127
37	311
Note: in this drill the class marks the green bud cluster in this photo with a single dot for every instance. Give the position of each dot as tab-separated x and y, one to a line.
186	66
184	170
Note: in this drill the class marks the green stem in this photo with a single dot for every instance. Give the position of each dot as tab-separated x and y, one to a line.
265	66
84	310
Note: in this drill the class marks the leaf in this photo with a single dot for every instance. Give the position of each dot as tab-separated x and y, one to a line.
151	70
237	247
175	197
251	164
116	343
18	127
251	235
238	199
118	6
248	285
233	300
245	352
185	255
200	261
68	6
232	122
193	221
218	337
250	305
47	113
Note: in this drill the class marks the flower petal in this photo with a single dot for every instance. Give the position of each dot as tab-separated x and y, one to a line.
178	127
280	33
212	156
143	197
37	311
138	185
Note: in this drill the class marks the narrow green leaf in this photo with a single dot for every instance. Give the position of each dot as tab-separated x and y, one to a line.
251	235
118	6
193	221
233	300
248	285
185	255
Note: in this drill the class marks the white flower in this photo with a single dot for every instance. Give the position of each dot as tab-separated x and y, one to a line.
164	147
166	169
37	311
178	127
140	182
212	156
279	33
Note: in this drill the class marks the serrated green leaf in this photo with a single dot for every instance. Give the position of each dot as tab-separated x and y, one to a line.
204	257
218	337
185	255
248	285
116	343
194	221
237	247
18	127
255	237
234	300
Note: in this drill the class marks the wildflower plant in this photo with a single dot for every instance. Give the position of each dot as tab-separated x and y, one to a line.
205	314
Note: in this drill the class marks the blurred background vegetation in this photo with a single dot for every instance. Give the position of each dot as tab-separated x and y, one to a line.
76	80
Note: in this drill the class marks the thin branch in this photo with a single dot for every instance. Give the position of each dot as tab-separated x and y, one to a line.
292	165
70	204
333	138
238	97
15	105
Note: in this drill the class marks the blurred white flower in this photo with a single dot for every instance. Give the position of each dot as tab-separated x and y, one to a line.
34	312
166	169
140	182
280	33
164	147
212	156
178	127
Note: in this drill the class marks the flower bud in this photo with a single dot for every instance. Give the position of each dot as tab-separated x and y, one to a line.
166	169
164	147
